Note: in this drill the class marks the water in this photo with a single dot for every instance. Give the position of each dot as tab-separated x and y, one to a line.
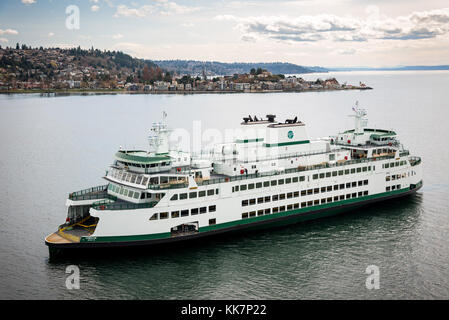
54	145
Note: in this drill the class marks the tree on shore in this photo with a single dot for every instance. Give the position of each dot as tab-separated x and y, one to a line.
146	77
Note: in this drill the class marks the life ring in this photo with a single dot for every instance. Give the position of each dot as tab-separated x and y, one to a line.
102	207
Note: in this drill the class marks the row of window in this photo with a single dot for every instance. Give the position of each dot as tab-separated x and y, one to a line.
296	194
395	187
128	177
266	184
167	179
151	165
194	194
273	183
126	192
383	151
183	213
340	172
304	204
396	176
394	164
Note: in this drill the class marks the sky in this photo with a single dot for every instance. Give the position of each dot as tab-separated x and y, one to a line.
328	33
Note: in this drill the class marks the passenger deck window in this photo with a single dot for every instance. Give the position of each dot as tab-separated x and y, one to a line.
163	215
192	195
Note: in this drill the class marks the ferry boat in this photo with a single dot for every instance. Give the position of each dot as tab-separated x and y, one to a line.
272	174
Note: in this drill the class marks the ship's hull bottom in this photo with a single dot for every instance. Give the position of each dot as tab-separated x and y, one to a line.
58	248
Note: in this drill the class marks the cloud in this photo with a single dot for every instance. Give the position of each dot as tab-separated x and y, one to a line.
308	28
161	7
125	11
8	31
248	38
168	8
346	51
94	8
117	36
28	1
51	34
3	40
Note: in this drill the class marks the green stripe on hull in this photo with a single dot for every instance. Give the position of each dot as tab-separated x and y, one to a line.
282	144
153	236
328	209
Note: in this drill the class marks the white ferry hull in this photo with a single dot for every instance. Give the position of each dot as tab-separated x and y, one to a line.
278	220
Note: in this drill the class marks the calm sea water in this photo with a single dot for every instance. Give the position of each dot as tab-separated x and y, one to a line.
55	145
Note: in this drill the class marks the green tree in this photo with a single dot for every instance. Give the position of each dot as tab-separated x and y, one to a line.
167	77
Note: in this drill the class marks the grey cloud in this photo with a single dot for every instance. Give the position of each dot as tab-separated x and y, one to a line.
415	34
298	38
418	25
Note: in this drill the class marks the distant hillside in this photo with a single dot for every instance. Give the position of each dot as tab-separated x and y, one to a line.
193	67
24	63
404	68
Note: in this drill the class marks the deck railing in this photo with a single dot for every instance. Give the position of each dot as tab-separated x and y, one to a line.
280	156
274	173
88	194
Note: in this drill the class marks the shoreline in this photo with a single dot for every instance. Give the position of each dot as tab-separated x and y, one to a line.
122	91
